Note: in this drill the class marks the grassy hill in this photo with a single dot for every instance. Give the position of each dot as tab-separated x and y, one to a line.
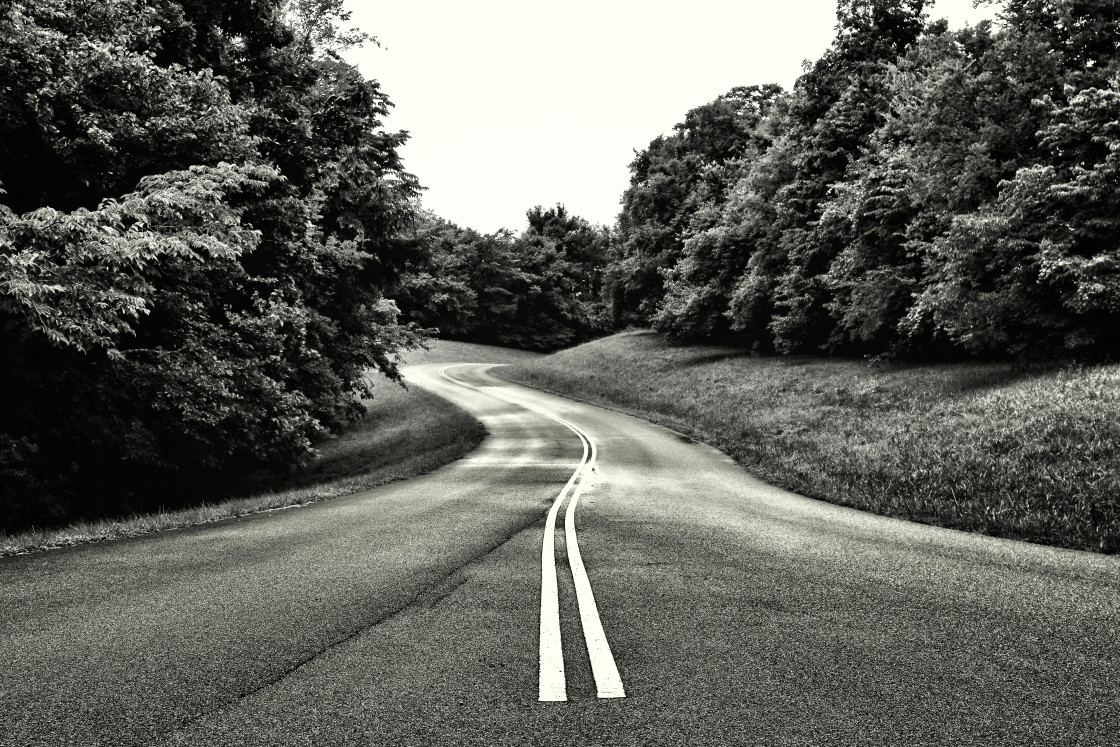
1022	453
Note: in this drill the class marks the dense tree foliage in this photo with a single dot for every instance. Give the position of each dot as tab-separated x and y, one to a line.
201	213
921	191
672	181
539	290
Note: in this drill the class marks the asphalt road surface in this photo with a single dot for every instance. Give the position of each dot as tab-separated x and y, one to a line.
703	608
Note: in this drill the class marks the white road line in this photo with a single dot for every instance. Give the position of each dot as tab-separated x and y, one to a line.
551	680
608	683
551	685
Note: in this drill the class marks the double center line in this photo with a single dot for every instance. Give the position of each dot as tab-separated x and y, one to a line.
551	684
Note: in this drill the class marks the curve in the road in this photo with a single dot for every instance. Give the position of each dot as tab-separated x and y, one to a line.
552	685
741	614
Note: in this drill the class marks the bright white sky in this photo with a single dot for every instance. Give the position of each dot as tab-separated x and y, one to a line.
515	103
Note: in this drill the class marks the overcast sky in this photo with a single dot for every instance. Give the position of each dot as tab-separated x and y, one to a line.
515	103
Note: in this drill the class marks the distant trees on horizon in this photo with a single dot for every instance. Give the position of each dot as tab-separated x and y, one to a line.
540	290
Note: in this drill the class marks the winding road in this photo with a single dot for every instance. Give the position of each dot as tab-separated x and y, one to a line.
583	578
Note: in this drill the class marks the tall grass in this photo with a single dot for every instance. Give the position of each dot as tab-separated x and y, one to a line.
404	433
1025	454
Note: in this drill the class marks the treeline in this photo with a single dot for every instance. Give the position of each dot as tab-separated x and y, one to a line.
541	289
921	192
201	215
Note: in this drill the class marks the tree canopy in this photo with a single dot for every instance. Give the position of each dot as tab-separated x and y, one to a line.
201	215
921	192
538	290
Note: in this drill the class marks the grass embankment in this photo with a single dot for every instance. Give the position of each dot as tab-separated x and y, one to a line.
1025	454
404	433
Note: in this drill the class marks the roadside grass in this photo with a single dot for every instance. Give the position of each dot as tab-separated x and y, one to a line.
1028	454
405	432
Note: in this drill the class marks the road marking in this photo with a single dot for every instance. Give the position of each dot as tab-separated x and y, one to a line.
608	683
551	682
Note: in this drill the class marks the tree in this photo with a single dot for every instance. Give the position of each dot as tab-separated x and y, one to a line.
315	24
583	246
921	192
1038	271
537	291
837	105
193	274
724	234
949	118
674	180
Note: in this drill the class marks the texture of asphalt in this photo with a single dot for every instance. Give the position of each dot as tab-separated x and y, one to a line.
739	614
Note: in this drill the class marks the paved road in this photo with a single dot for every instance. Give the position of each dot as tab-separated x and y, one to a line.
733	613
